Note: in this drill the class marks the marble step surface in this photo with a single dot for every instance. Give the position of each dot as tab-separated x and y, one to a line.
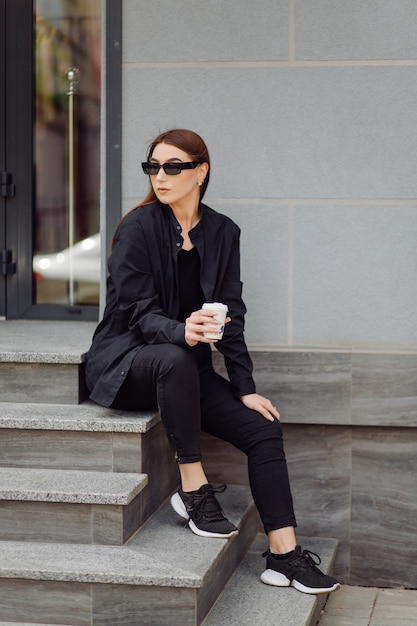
246	601
70	506
163	575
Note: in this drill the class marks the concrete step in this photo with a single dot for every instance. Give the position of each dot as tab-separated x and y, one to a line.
164	575
43	361
91	438
246	601
63	436
70	506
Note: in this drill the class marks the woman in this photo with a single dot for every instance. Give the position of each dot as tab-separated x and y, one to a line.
170	255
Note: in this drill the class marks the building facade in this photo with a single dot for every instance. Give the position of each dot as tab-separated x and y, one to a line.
309	111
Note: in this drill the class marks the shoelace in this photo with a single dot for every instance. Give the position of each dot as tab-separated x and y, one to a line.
300	559
303	559
208	505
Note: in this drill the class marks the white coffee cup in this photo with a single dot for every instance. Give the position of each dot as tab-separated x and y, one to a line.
216	329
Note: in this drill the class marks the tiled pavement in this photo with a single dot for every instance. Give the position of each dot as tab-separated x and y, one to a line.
370	606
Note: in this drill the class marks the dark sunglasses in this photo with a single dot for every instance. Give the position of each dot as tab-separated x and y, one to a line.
171	169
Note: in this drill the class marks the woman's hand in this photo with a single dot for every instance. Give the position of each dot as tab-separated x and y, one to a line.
194	326
258	403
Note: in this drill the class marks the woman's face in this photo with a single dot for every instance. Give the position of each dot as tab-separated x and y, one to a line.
182	188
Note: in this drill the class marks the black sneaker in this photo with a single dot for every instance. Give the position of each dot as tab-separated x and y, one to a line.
300	571
204	512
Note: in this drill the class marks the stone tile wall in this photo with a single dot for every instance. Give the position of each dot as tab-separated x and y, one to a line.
350	426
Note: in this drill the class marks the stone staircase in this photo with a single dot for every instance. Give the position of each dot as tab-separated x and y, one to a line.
87	535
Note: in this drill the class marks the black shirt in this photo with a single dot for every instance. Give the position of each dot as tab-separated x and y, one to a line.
190	294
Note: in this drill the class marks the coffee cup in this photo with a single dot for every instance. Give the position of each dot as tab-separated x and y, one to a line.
216	328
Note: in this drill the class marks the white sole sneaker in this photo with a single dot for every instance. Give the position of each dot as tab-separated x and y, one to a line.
179	507
271	577
300	587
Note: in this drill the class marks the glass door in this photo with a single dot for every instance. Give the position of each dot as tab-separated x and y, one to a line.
50	125
66	140
50	115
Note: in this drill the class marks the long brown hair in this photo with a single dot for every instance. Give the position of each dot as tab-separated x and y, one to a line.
189	142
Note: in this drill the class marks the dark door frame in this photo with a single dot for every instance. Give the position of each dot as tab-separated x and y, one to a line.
19	150
17	213
2	149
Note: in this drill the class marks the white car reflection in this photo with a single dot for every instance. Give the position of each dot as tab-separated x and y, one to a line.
84	257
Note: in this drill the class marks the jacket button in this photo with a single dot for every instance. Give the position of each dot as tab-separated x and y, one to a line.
122	373
178	245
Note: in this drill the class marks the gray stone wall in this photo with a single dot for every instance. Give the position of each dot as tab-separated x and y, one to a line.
309	110
350	428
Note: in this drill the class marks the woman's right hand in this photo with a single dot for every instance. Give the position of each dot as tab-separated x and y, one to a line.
195	326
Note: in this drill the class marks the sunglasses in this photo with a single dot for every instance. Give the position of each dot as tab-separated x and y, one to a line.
171	169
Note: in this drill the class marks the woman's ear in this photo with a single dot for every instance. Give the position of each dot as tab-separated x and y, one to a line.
203	169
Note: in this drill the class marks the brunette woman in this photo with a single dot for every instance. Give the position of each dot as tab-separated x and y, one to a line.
171	254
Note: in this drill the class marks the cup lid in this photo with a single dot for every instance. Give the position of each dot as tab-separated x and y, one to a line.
215	305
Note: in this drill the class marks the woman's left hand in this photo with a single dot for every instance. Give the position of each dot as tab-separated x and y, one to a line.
258	403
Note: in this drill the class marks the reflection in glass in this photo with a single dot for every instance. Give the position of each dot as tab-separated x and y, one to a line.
67	35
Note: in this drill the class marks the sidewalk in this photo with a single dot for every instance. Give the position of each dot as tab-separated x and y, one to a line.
370	606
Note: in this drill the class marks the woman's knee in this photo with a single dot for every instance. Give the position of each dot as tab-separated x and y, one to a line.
162	357
265	451
174	366
269	434
178	359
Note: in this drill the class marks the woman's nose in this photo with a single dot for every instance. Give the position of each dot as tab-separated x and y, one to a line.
161	173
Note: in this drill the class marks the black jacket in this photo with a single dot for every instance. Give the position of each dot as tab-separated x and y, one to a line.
142	299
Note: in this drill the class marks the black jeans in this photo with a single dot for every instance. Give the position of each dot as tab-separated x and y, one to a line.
191	397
